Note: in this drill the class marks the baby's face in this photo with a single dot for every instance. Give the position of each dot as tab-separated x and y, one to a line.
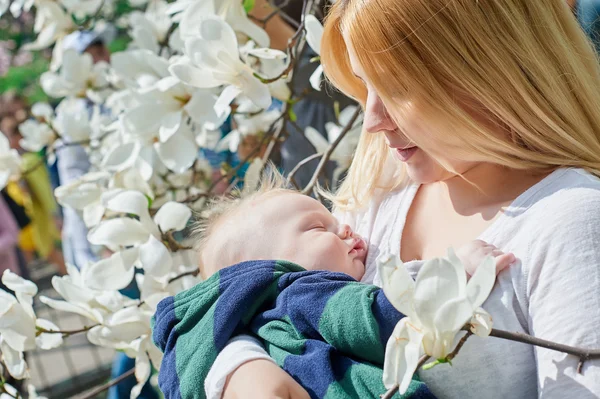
292	227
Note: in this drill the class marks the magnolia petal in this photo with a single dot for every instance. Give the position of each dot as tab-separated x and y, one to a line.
438	282
178	153
397	284
230	142
127	201
314	32
201	109
169	125
251	30
120	157
448	321
114	273
70	308
155	258
481	323
316	139
144	120
72	290
14	361
118	232
481	283
252	176
316	78
194	76
402	354
255	90
155	355
142	373
172	216
25	290
48	340
20	336
92	214
227	96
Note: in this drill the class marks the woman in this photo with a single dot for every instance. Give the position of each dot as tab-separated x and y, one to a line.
482	120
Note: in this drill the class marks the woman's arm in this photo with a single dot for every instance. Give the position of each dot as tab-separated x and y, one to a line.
564	297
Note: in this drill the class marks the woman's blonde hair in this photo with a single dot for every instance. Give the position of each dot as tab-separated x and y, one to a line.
524	64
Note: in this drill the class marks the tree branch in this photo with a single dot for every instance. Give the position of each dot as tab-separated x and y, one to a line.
40	330
102	388
190	273
315	178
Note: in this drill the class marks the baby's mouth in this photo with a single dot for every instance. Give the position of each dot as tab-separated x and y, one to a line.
358	249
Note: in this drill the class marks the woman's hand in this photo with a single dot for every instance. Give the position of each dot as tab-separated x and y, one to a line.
262	379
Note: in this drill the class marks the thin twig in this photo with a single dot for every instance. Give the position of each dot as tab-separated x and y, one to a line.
459	346
315	178
583	354
41	330
109	384
301	164
190	273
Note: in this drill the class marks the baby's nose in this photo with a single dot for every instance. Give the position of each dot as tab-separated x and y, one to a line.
345	232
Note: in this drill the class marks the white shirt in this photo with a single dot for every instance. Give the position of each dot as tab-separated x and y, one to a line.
553	292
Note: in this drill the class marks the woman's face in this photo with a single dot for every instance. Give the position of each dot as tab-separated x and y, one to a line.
422	167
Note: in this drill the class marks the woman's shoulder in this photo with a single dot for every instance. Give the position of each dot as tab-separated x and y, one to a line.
572	194
563	213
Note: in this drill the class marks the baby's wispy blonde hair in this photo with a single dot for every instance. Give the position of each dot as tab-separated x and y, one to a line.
271	182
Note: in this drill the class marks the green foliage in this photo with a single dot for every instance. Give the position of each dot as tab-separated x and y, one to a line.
24	79
248	5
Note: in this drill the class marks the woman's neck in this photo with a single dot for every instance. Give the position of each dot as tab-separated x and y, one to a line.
487	187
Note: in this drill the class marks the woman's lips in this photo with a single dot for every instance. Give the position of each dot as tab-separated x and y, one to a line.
404	154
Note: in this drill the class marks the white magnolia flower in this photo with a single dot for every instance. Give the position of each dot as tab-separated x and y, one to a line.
10	393
10	162
212	59
150	28
84	194
344	152
79	298
78	76
36	135
43	112
52	24
232	11
72	120
160	107
17	323
314	33
129	330
138	241
437	305
272	63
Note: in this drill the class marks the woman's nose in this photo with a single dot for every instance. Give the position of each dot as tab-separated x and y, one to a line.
376	116
345	232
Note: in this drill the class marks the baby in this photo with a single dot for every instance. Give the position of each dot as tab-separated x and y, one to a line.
278	223
324	329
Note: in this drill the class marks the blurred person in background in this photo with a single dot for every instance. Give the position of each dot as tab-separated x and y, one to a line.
34	193
9	232
73	161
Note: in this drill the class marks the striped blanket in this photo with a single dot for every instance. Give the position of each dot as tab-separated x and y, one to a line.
325	329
